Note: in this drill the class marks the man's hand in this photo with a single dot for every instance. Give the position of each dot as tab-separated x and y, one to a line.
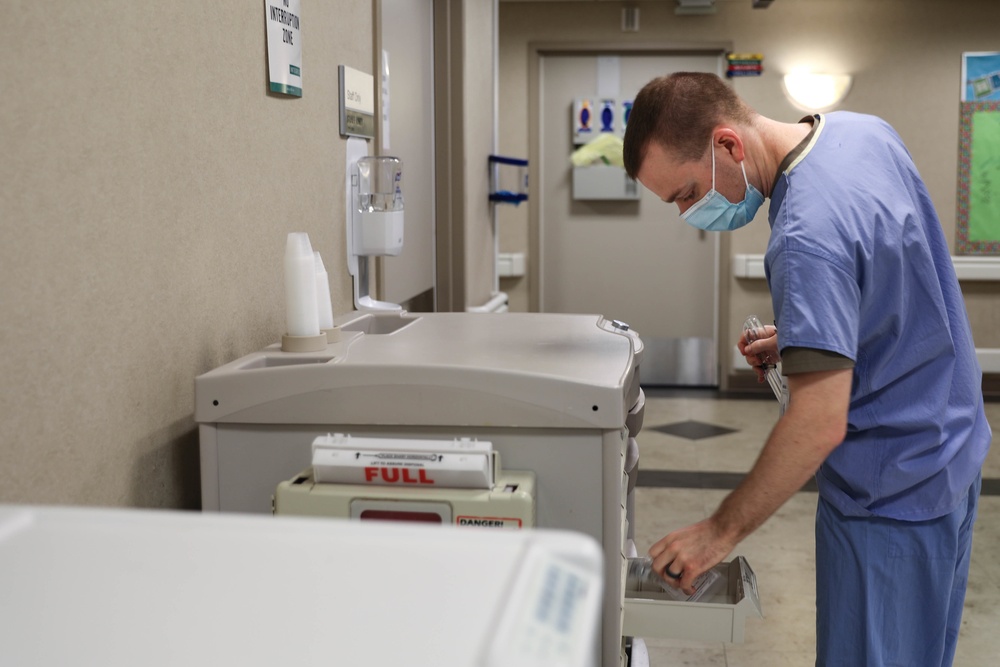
759	348
689	552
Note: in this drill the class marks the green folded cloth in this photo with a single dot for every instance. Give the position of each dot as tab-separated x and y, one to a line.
605	148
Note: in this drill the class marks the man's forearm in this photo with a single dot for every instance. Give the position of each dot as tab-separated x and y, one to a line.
810	430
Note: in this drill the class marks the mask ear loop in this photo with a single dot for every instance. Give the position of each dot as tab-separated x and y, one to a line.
711	149
745	180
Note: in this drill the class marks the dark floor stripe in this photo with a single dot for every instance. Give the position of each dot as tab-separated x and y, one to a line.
687	479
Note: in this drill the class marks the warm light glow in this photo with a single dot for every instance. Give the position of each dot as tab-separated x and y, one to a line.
816	92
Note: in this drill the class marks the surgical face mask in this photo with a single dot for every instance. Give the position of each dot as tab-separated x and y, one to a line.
715	213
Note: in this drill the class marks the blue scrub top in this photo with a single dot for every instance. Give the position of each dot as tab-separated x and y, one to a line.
857	264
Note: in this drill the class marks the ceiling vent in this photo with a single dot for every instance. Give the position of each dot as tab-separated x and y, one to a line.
630	19
695	7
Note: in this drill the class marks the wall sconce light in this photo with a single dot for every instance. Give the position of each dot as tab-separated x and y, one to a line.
816	92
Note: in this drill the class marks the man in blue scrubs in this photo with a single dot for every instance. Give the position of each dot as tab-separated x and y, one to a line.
886	406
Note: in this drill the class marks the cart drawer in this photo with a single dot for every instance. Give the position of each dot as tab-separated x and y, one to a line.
717	618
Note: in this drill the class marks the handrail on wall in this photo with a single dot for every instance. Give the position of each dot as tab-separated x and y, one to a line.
968	267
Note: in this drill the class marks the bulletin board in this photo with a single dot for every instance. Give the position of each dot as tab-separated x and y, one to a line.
978	221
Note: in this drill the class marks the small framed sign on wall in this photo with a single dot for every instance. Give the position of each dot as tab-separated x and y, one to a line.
357	103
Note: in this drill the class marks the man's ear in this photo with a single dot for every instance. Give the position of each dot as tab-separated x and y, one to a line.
727	138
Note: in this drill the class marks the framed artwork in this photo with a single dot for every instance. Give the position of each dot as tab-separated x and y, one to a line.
981	77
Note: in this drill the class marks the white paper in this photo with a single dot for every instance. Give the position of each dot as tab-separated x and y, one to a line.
399	468
458	463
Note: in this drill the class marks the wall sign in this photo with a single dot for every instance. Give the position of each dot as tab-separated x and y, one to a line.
744	64
284	46
357	103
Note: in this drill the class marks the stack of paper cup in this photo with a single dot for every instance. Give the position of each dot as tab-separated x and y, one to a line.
324	305
301	317
302	332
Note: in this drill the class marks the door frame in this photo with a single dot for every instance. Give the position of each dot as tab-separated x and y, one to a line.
536	52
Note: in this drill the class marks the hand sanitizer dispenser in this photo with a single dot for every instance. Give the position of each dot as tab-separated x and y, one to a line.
374	216
378	212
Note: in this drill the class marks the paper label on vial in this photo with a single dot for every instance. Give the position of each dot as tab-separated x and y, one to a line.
702	584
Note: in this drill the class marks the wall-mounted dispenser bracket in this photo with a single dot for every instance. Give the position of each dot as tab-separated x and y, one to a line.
374	226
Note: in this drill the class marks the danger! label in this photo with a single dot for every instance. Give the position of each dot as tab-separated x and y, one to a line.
487	521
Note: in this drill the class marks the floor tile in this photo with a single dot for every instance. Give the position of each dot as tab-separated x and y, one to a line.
737	656
663	653
693	430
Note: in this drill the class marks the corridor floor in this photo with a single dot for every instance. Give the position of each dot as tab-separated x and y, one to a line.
694	447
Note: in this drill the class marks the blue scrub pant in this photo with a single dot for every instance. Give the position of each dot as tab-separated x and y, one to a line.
890	593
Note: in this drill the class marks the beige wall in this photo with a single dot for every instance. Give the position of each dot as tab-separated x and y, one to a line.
463	141
478	142
147	184
905	56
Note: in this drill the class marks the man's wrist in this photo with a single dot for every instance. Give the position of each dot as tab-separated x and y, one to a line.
727	524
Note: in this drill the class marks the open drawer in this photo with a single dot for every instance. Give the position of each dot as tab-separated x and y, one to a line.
719	617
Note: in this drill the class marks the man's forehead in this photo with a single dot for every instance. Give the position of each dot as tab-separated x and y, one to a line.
665	174
663	153
667	160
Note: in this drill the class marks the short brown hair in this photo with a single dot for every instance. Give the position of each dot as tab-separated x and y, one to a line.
679	112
